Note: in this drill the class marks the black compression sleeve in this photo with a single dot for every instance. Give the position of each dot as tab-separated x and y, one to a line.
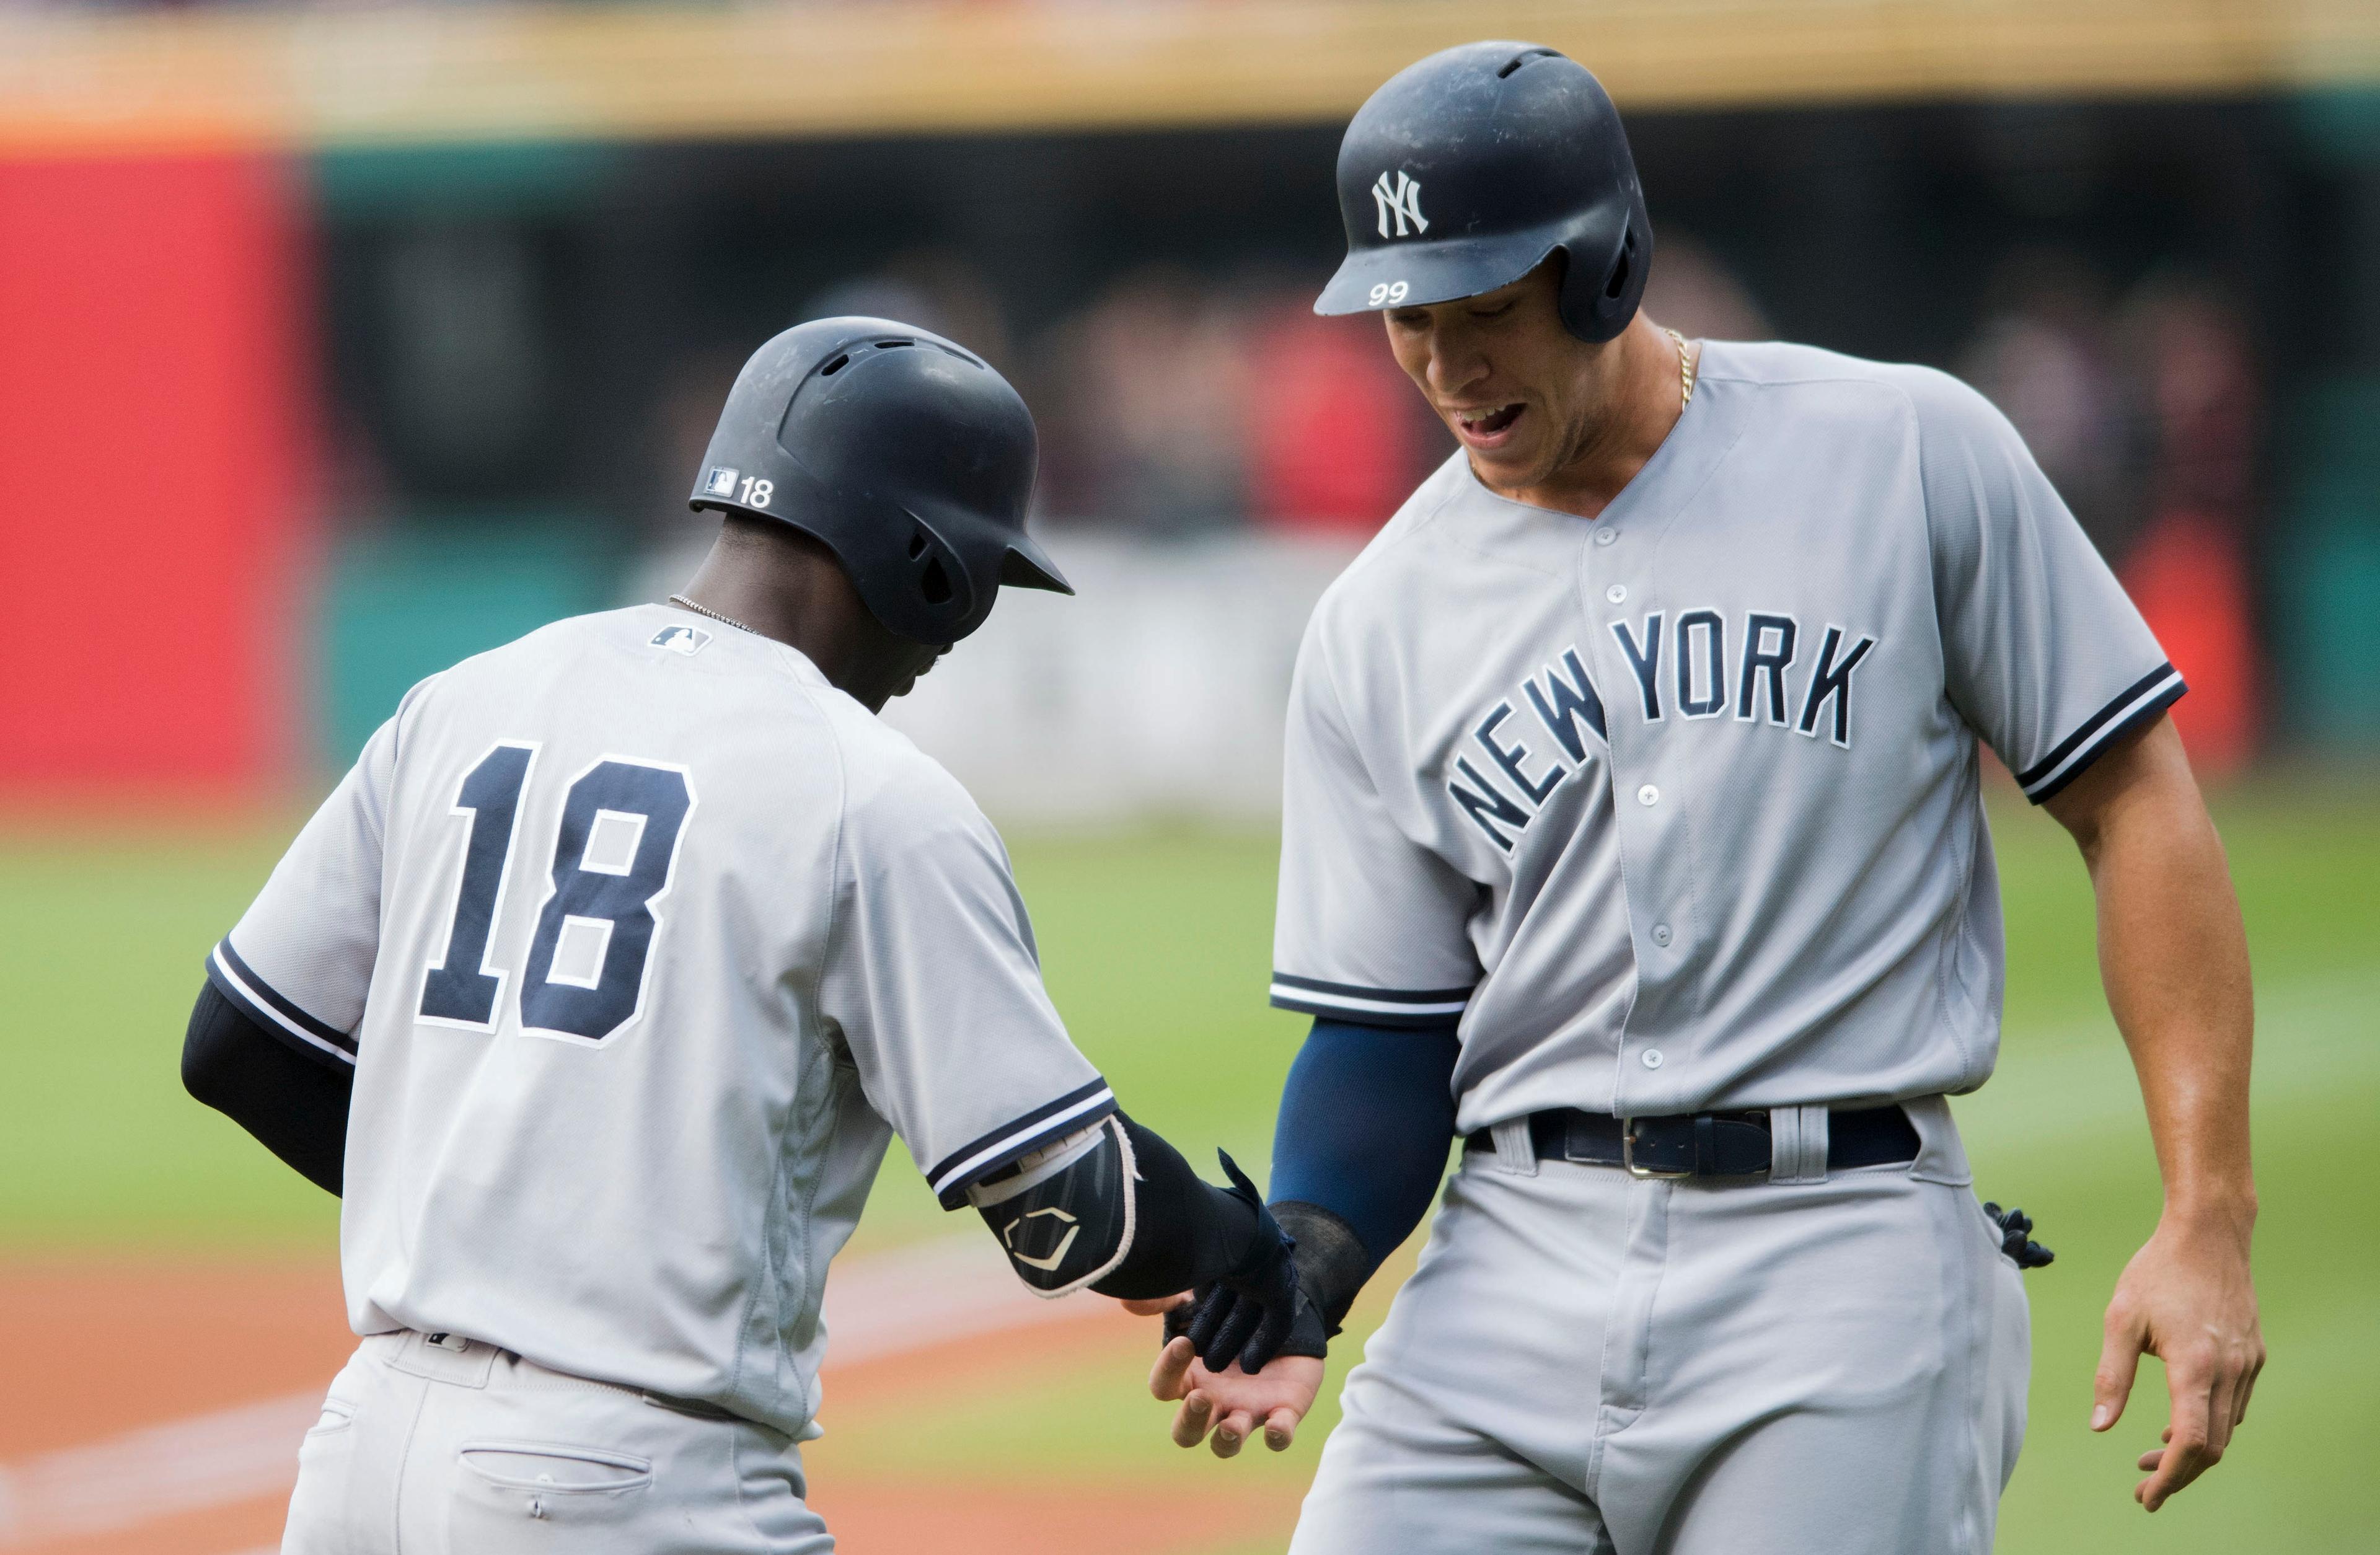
295	1104
1187	1232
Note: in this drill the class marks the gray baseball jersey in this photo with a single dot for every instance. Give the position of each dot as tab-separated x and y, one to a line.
642	939
1678	809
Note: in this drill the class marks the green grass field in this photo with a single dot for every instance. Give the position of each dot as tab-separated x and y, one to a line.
1156	949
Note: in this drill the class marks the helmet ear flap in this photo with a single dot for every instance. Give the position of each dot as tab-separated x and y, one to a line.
1599	315
1622	267
937	584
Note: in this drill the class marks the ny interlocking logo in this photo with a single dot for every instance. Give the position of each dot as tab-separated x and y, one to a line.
1402	201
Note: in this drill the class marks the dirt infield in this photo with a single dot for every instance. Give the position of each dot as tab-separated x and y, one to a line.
94	1348
985	1523
154	1407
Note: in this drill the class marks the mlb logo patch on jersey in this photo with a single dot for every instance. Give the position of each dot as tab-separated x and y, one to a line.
721	481
684	640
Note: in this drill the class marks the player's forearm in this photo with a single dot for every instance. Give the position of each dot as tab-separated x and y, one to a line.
2174	957
1365	1116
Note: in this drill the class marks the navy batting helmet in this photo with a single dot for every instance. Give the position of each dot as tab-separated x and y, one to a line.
1471	168
907	456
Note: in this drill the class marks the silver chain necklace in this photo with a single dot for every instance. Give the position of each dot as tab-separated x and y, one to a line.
706	610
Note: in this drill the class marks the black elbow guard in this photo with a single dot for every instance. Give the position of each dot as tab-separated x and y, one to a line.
1063	1213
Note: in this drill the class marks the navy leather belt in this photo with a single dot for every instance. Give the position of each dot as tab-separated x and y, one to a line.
1706	1144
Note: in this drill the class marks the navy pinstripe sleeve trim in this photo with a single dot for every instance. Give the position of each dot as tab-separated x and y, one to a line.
2130	708
979	1158
1371	1006
264	1005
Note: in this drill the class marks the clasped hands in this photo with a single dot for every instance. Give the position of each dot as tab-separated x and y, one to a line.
1223	1407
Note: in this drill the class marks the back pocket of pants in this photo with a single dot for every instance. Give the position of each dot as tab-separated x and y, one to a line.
536	1465
557	1484
323	1505
337	1415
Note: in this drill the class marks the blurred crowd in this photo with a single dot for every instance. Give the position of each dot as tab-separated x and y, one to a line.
1177	404
1172	404
2144	409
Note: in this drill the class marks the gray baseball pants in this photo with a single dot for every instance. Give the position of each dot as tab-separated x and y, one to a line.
454	1448
1588	1362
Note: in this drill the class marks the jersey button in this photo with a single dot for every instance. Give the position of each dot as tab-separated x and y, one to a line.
1661	935
1617	593
1651	1058
1648	795
1606	535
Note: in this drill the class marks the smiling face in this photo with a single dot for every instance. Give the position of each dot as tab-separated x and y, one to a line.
1525	397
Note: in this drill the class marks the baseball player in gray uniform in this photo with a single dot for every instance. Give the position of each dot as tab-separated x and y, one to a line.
601	983
1633	835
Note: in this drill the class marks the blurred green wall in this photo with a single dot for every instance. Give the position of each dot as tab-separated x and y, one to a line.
405	603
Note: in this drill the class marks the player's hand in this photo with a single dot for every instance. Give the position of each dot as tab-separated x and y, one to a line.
1231	1403
2186	1298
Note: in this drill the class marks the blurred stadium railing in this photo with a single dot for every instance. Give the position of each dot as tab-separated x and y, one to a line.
308	76
337	342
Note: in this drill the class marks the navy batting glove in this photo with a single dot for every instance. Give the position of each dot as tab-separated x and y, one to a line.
1258	1310
2016	1233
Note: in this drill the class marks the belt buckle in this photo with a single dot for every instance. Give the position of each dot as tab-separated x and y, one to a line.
1628	1157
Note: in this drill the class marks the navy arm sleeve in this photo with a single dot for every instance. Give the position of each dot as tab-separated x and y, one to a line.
1365	1119
292	1100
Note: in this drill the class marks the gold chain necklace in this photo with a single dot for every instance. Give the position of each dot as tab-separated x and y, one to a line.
706	610
1686	364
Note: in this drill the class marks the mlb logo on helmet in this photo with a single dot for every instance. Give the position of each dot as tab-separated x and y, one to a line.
721	481
686	641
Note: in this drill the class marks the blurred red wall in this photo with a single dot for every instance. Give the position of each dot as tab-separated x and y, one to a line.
156	474
2188	575
1336	440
